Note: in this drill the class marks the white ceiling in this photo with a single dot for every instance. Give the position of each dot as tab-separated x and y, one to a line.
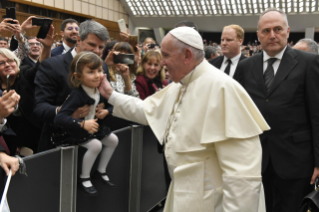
214	22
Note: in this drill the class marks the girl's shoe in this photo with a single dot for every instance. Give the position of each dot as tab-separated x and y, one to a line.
99	177
91	191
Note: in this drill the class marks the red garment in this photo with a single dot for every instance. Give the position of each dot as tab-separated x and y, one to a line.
145	86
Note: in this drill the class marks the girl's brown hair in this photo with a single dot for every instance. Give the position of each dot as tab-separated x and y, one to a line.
79	61
127	48
147	57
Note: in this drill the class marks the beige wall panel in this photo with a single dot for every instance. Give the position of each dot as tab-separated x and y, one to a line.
105	3
121	9
49	3
85	8
116	16
111	4
99	2
27	0
68	5
111	15
59	4
38	1
99	12
77	6
92	1
92	10
115	5
85	0
105	14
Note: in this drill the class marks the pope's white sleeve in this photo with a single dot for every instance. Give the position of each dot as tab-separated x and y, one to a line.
240	161
128	107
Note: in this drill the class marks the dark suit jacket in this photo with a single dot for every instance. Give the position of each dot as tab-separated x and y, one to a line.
290	109
77	98
51	90
57	51
27	61
217	62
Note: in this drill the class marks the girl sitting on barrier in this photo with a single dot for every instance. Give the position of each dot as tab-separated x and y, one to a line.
90	132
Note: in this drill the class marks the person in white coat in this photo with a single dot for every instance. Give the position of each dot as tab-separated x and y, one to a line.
209	127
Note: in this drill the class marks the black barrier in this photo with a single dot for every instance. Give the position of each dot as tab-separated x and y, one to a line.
136	168
155	182
40	191
118	170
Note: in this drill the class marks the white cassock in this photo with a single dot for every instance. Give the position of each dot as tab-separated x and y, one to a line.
213	150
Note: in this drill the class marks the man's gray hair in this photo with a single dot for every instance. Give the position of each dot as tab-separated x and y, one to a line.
271	9
90	26
198	54
209	50
312	45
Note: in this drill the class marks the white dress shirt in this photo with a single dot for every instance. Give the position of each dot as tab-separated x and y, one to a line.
234	62
66	48
276	64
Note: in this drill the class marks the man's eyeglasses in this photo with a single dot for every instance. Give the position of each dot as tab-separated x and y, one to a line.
71	28
35	44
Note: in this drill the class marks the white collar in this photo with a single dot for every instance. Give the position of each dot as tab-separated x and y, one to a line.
186	79
73	53
35	61
278	56
91	92
66	47
233	60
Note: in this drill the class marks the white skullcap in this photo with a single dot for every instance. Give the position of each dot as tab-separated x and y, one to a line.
189	36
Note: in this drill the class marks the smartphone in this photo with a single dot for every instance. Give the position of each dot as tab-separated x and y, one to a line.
133	42
152	45
8	83
37	21
44	29
122	25
123	58
11	13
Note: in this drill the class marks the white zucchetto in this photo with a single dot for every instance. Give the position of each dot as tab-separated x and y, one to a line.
189	36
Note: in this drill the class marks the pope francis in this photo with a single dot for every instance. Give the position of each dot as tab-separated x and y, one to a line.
209	127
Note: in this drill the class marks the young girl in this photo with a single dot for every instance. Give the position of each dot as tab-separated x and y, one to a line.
90	132
151	76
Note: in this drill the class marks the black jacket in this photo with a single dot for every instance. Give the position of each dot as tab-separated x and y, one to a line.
290	109
77	98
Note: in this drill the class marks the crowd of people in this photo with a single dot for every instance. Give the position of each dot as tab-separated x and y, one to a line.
232	118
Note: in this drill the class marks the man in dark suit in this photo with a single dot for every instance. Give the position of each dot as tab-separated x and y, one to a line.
51	81
69	33
230	42
283	83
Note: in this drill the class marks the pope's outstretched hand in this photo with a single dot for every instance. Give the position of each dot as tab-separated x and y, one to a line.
105	88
